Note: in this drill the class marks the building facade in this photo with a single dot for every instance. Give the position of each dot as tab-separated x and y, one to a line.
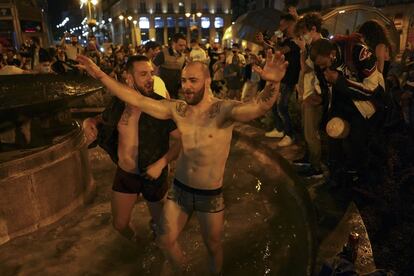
20	21
137	21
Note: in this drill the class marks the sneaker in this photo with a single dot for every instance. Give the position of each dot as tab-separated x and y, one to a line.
286	141
302	162
311	173
274	134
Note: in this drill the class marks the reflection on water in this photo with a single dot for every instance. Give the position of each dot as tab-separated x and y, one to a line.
265	233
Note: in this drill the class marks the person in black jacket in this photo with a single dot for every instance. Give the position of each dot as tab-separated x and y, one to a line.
349	67
139	144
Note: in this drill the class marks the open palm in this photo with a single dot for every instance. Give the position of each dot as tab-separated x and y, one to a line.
274	69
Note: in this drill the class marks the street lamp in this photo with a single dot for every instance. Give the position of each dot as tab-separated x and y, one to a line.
193	25
89	3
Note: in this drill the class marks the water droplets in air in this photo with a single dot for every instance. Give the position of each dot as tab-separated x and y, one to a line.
258	185
266	258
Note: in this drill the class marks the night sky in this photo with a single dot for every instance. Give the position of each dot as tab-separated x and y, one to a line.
56	7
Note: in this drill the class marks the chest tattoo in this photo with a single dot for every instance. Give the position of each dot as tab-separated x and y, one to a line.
214	110
125	116
181	109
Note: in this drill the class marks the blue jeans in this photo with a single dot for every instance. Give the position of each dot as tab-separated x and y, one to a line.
280	110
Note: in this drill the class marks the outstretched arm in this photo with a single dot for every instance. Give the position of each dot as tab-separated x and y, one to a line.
273	72
158	109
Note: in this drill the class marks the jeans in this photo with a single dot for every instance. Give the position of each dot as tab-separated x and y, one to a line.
312	116
281	110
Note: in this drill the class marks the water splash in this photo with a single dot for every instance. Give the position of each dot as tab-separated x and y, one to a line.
258	185
266	258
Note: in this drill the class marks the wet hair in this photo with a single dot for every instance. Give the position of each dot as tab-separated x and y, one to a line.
375	33
321	47
312	19
178	36
132	59
288	17
204	67
151	45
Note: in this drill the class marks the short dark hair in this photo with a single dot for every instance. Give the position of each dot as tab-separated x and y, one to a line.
313	19
288	17
132	59
151	45
194	40
321	47
178	36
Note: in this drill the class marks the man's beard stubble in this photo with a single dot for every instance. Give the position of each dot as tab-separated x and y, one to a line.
198	96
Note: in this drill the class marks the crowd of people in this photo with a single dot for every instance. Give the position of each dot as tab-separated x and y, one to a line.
345	88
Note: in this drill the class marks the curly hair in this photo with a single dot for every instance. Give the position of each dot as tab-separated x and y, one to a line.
312	19
375	33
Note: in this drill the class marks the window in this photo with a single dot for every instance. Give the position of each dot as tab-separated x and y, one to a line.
170	7
144	23
158	22
205	22
182	25
193	6
219	7
205	6
158	7
170	22
218	22
181	7
142	7
159	29
170	27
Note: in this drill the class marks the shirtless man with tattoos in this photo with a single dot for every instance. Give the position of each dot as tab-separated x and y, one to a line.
206	125
139	144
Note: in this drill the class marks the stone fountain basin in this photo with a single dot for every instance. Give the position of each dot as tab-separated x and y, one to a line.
41	185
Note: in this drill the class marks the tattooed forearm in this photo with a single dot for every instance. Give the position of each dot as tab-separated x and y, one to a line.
181	108
267	94
125	116
215	109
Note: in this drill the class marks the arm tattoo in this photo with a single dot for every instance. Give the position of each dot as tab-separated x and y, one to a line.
215	109
125	116
181	108
266	95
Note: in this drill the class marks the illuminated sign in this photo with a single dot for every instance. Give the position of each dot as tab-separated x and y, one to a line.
28	26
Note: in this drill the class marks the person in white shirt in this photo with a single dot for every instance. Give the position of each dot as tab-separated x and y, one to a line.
73	49
197	54
235	51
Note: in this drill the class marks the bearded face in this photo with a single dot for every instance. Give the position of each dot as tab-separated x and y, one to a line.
193	97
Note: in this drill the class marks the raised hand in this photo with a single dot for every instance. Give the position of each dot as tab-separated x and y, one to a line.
87	64
275	67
